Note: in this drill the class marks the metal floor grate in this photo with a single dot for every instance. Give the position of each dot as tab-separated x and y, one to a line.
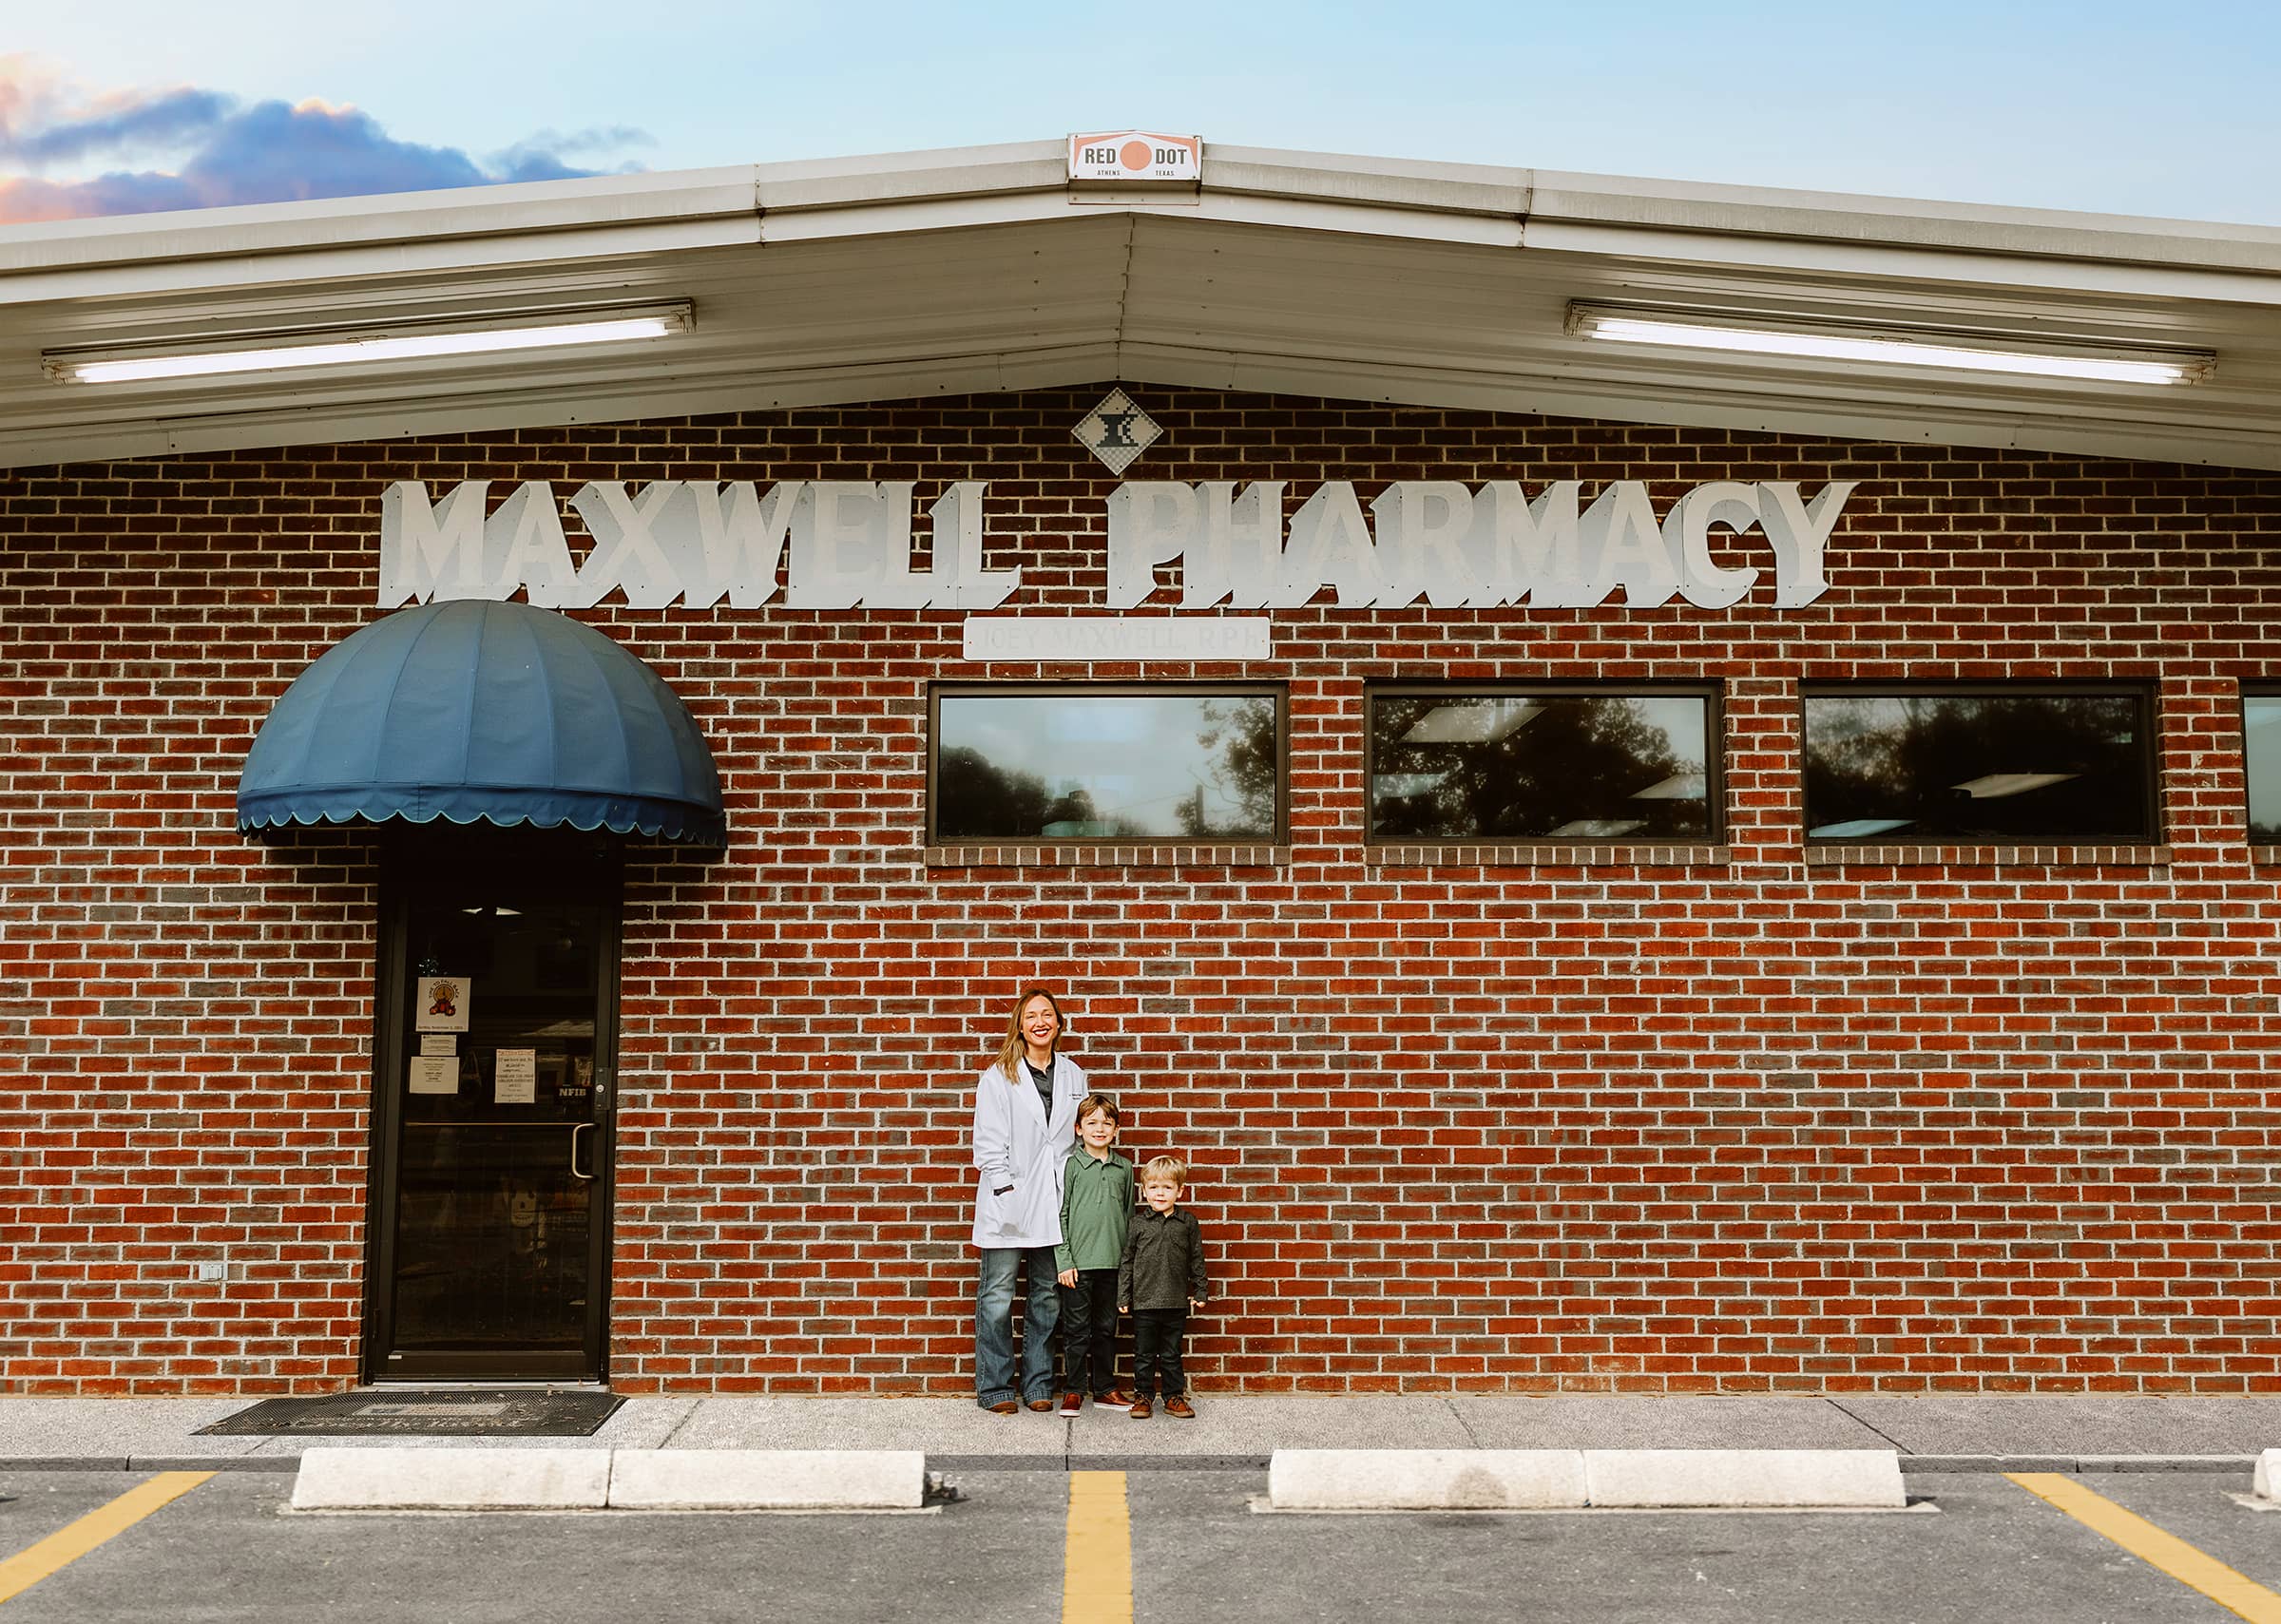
472	1412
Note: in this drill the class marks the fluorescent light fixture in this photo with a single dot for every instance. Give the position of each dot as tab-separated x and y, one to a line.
351	346
1598	829
1900	347
1997	786
1401	785
1853	828
1472	721
1678	787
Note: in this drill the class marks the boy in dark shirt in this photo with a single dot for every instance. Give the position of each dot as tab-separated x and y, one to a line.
1160	1281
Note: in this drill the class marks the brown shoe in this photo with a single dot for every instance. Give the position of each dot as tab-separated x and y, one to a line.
1140	1410
1072	1403
1005	1406
1114	1399
1041	1405
1179	1407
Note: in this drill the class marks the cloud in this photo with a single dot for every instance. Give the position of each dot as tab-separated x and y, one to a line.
226	151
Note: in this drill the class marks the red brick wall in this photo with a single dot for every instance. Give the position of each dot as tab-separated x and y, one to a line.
1742	1124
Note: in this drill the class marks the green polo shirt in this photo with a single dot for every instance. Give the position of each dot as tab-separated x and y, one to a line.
1097	1206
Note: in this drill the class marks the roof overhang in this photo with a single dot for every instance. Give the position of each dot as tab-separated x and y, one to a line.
985	269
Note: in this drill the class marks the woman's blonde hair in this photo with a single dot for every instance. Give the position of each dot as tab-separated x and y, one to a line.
1009	1052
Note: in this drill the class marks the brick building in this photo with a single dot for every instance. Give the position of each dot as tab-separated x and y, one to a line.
1640	870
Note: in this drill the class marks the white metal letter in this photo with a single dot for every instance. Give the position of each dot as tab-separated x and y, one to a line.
726	539
1687	533
960	582
1241	552
626	556
1799	533
1621	538
837	554
1422	525
526	537
1151	522
427	552
1517	548
1329	544
897	587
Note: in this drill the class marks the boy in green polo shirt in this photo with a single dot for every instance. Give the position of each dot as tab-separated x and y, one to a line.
1097	1208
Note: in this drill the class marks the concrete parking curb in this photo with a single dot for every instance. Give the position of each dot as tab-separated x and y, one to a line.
453	1479
768	1480
1425	1480
1910	1464
596	1479
1520	1479
1736	1477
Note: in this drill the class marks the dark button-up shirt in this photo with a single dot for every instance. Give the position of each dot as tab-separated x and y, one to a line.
1163	1265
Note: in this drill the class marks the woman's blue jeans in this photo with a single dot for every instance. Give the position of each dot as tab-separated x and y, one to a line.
994	1325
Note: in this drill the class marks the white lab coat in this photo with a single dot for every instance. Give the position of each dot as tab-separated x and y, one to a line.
1017	1144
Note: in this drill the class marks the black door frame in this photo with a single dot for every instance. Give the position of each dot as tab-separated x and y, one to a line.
423	860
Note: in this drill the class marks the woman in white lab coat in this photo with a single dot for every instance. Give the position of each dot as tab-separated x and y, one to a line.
1024	1128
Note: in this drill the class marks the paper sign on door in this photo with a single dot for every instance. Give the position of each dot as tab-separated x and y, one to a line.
515	1076
435	1074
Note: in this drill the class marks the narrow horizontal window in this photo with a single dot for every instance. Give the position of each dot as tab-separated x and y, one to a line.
1078	763
1525	764
2261	745
1957	767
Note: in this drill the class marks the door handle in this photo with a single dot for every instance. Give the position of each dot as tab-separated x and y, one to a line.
576	1130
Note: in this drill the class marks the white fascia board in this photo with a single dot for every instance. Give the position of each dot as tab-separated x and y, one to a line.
903	217
545	207
1858	260
1398	183
656	400
1318	215
1178	367
1169	366
910	217
900	177
377	264
1837	217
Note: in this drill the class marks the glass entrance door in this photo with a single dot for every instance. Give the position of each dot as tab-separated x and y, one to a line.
499	1027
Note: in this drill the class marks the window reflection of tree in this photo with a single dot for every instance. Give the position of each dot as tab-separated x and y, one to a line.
1240	735
1576	762
1233	798
973	798
1907	760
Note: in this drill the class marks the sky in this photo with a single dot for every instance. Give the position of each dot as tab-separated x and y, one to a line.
124	106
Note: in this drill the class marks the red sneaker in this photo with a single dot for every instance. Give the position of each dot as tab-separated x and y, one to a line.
1114	1399
1072	1403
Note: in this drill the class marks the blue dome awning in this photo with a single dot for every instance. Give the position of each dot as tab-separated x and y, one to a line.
483	711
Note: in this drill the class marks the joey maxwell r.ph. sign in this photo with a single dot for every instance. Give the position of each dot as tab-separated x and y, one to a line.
847	545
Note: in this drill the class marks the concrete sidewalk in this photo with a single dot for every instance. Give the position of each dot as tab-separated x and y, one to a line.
1953	1433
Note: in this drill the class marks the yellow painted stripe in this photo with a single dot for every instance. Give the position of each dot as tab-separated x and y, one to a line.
2235	1591
27	1567
1097	1573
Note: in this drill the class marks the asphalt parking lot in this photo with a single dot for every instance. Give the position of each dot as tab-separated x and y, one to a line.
1974	1547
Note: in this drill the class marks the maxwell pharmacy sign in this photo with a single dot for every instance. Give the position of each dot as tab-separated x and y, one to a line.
848	543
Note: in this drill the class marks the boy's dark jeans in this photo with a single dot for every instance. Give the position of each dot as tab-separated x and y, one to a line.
1157	1334
1089	1332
